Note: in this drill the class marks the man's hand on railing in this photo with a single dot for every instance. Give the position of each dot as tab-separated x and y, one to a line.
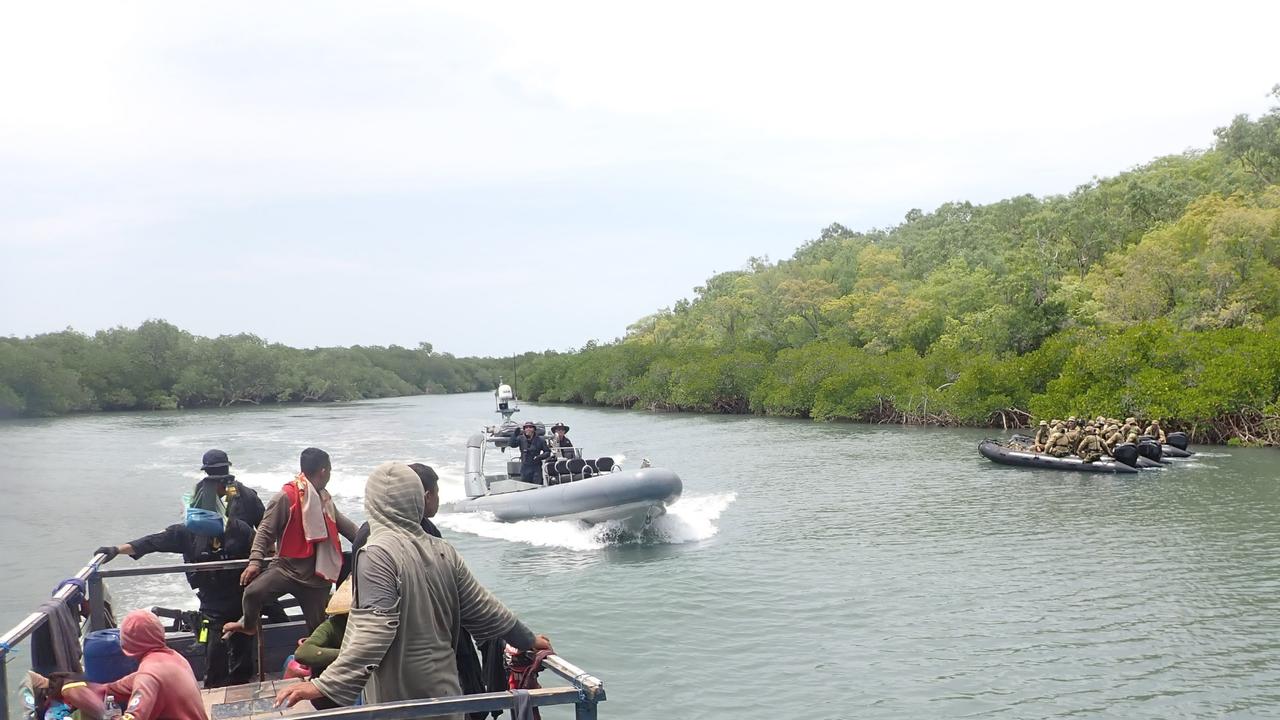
111	551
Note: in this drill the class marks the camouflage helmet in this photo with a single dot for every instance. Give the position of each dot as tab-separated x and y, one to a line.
1071	419
1055	421
1044	423
1090	429
1131	420
1156	422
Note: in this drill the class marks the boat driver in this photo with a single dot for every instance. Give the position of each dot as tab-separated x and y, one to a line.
533	452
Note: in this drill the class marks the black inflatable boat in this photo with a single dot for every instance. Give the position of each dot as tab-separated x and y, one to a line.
995	452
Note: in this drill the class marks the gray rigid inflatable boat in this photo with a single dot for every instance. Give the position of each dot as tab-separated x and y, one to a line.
634	498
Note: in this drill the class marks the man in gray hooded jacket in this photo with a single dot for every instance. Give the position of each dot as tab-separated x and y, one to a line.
411	592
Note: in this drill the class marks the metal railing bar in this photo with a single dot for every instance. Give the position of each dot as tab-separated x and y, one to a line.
591	686
175	568
411	709
586	691
23	630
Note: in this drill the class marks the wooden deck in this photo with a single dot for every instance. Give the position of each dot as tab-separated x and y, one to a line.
253	701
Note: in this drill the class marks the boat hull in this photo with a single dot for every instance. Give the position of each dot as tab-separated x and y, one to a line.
632	497
997	453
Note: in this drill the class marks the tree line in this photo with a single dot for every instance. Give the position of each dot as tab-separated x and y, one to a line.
158	366
1153	293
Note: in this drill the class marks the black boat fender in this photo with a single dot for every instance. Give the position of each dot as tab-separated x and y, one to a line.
1150	450
1126	453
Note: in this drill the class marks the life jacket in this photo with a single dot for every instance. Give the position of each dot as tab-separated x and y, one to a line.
293	541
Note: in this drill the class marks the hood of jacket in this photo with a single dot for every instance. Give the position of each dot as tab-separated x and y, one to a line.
141	633
393	500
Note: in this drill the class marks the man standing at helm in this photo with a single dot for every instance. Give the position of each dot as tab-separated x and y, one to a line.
413	593
533	452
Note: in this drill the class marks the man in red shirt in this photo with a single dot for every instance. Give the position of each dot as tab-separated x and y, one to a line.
303	525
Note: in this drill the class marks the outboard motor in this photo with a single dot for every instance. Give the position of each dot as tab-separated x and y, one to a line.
473	477
1150	450
1177	439
1126	453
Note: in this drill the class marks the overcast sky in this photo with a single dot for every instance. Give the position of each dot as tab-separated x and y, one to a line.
499	179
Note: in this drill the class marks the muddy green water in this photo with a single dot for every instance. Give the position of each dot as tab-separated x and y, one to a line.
810	571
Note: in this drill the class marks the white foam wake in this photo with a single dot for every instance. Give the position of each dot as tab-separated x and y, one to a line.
689	520
692	518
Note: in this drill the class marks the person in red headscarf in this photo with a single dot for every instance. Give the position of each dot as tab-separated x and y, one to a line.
163	688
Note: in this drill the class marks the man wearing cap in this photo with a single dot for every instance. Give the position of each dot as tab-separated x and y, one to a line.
1091	447
560	444
220	492
533	452
1155	431
219	593
1042	436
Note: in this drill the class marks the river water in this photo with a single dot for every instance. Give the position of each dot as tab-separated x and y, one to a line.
809	571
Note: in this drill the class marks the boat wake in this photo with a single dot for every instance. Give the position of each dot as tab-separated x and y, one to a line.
691	519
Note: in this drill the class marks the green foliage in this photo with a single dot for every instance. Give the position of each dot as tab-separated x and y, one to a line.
160	367
1255	144
1152	293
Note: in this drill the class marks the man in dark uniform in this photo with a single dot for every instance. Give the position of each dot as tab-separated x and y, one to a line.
220	492
228	662
533	452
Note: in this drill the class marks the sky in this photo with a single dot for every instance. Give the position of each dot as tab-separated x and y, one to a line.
494	178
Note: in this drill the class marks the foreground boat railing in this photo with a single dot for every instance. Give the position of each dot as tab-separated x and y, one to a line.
584	691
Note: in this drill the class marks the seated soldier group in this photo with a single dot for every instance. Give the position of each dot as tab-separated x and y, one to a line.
1090	439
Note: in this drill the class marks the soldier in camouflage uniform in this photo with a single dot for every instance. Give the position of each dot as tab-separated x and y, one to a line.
1042	436
1074	432
1155	431
1091	447
1112	436
1058	445
1130	423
